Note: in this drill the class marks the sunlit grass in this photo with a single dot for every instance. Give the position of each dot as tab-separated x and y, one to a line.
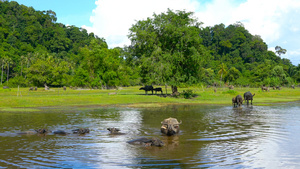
15	99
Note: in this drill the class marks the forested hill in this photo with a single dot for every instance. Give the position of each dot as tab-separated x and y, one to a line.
35	50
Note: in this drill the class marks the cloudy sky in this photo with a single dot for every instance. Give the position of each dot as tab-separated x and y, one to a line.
276	21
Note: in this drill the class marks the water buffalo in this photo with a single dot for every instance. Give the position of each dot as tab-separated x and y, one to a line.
170	126
31	89
278	87
158	89
5	87
147	142
81	131
65	88
61	132
239	100
35	88
147	88
115	131
263	88
293	86
233	101
38	131
248	96
231	87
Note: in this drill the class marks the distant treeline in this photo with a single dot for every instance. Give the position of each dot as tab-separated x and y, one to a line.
170	48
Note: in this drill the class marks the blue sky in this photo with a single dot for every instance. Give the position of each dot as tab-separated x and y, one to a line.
276	21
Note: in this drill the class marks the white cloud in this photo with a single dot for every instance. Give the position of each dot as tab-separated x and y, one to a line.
276	21
112	18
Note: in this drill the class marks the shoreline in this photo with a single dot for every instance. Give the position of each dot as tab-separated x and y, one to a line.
27	101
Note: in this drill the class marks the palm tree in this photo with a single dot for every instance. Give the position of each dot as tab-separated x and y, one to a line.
8	61
222	70
2	62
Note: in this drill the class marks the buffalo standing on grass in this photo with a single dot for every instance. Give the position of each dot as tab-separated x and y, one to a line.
147	88
158	89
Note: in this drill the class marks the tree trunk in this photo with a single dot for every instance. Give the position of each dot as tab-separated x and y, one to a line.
221	79
2	74
174	90
7	73
166	89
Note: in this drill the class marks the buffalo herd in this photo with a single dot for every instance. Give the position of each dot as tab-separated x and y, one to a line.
151	88
170	127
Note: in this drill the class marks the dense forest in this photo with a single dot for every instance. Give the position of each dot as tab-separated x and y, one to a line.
171	48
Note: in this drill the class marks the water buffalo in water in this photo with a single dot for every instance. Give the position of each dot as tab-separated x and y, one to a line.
115	131
81	131
248	96
61	132
158	89
147	142
233	101
38	131
239	100
147	88
170	126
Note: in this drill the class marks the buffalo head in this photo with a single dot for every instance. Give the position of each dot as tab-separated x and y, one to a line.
170	126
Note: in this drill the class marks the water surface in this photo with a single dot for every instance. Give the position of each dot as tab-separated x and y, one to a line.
211	136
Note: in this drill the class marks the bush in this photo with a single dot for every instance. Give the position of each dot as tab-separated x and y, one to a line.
188	94
231	92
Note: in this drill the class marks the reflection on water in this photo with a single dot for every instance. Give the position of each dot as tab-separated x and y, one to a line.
211	136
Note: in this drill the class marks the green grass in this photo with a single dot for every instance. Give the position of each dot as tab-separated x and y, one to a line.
14	100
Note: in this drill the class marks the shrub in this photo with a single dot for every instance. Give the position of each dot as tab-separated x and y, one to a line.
188	94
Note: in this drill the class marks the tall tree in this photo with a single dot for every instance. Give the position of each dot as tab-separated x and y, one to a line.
169	48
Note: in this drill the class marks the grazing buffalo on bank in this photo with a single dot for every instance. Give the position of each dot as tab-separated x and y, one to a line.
158	89
170	126
265	89
147	88
248	96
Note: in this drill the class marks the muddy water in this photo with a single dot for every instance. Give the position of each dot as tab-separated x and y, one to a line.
211	136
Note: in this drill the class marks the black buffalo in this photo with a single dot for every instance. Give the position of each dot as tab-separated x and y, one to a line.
248	96
115	131
147	88
158	89
239	100
81	131
147	142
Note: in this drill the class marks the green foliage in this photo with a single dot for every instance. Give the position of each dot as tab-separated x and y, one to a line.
231	92
188	94
170	48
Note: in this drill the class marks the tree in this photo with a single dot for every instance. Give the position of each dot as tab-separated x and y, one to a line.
169	48
223	70
280	50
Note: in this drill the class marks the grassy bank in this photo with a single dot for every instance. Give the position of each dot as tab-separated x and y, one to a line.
133	97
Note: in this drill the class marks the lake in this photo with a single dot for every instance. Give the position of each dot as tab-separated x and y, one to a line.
211	136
